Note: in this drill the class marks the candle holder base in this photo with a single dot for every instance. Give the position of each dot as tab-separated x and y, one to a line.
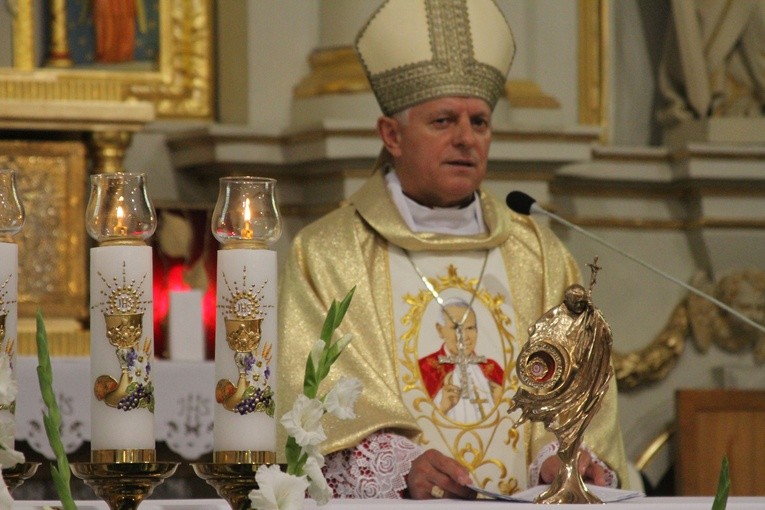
123	485
232	481
16	475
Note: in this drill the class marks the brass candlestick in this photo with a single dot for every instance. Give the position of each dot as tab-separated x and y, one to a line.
123	485
16	475
232	474
566	366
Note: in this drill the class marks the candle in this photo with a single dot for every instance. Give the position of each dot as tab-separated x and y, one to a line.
11	222
121	319
9	264
245	220
185	326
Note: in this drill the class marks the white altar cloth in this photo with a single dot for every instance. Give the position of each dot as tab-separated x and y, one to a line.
684	503
183	414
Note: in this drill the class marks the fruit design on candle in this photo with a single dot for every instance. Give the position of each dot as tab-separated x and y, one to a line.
244	313
7	345
123	310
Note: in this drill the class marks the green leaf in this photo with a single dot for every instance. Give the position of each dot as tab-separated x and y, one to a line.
335	316
292	452
310	380
60	473
329	323
723	486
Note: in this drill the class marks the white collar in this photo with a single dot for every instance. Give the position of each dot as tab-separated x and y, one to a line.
441	220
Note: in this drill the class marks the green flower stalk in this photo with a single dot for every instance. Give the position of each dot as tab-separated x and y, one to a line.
316	369
723	487
60	473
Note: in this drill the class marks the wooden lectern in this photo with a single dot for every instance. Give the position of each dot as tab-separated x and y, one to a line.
716	423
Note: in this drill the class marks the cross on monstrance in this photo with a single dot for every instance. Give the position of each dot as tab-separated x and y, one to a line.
462	361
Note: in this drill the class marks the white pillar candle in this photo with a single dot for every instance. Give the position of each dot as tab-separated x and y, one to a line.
185	326
122	351
9	279
245	361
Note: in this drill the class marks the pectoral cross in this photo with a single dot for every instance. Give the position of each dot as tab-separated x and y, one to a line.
479	402
462	360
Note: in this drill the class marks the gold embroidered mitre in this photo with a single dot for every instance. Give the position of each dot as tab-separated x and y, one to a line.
416	50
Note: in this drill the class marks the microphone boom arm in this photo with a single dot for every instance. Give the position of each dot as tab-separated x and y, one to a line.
534	207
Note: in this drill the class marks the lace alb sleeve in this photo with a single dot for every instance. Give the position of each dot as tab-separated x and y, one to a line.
375	468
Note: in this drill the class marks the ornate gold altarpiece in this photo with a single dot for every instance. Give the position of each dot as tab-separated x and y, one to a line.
180	86
61	121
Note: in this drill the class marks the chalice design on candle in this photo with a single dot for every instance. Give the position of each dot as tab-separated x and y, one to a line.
123	314
243	316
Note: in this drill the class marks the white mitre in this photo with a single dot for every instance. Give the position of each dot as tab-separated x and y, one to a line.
416	50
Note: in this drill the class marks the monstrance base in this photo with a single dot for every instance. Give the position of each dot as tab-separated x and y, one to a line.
568	488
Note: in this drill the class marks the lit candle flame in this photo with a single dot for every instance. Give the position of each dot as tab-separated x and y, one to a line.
246	230
120	229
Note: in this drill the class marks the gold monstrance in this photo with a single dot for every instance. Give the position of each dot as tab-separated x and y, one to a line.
566	367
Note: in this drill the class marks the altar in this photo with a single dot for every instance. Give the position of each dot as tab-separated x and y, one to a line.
183	414
739	503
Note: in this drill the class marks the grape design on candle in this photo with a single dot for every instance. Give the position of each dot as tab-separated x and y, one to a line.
244	314
7	345
123	311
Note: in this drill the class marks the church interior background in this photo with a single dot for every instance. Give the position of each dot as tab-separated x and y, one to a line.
272	88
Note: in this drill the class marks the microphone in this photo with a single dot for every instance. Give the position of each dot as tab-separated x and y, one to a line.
522	203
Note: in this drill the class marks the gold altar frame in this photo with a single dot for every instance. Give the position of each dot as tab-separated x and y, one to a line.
181	87
52	245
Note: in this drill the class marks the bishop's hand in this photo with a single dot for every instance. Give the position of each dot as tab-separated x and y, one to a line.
591	472
433	475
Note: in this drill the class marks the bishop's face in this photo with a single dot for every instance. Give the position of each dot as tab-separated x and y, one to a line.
440	149
448	331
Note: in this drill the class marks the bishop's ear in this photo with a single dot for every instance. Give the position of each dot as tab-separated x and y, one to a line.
389	130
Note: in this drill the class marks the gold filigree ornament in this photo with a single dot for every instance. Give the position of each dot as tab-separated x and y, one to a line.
468	442
244	313
123	309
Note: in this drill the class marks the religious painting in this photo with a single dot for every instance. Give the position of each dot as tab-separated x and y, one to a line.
110	50
109	34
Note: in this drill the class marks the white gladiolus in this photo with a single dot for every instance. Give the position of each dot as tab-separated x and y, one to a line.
319	489
343	341
316	351
341	399
303	422
278	490
6	501
8	386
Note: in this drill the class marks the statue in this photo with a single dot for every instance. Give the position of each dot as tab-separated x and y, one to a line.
566	365
742	290
712	64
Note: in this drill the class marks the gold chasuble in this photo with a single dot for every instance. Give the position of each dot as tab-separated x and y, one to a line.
416	381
